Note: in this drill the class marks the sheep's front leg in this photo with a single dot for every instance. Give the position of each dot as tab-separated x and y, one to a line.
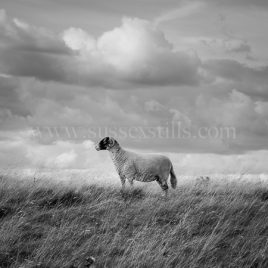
123	182
131	182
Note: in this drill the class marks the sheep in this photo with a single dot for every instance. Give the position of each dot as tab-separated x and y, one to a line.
141	167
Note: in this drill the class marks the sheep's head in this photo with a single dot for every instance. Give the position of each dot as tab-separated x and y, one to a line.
106	144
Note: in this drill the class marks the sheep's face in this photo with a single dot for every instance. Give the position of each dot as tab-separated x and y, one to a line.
106	144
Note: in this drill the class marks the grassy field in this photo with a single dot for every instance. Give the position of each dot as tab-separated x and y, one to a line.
203	224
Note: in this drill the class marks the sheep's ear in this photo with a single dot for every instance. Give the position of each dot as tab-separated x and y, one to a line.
111	142
106	139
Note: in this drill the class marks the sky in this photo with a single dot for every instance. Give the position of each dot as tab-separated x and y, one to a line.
185	78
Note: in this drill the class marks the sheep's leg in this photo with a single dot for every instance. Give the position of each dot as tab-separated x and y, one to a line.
165	189
131	182
123	182
163	184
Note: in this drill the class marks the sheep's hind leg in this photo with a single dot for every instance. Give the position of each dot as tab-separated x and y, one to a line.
163	185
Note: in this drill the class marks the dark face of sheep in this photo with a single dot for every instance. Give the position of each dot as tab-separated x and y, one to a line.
106	144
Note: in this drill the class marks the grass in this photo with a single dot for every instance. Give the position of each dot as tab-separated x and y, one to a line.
199	225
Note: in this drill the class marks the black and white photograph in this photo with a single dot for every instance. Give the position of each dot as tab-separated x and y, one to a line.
133	134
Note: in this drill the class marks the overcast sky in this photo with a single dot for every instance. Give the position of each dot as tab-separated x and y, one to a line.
136	65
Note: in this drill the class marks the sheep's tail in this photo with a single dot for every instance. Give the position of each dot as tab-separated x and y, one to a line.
173	179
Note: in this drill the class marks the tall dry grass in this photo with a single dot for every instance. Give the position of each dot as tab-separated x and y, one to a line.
200	225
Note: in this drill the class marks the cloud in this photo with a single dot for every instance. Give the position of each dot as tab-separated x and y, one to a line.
10	98
135	53
239	3
153	106
166	113
27	102
229	45
185	10
19	150
234	70
65	159
78	39
217	165
68	79
17	34
56	105
231	73
30	51
239	111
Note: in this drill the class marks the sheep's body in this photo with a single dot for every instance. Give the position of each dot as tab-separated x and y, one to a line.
141	167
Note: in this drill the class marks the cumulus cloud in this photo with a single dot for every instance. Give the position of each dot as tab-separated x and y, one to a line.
137	52
78	39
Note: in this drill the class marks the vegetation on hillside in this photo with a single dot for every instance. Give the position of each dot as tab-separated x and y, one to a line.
199	225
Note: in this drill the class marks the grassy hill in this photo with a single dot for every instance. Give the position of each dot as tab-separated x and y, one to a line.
199	225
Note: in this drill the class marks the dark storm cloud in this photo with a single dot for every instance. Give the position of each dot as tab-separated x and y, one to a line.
30	51
19	35
243	47
23	63
251	80
234	70
10	98
240	3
